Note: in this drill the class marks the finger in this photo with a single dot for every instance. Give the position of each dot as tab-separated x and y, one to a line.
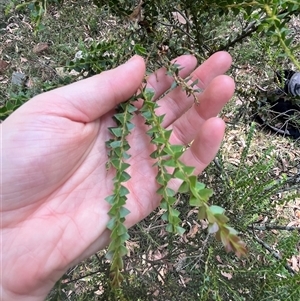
175	103
211	101
160	81
216	65
206	145
88	99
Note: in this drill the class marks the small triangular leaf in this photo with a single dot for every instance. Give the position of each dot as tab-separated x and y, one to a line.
123	212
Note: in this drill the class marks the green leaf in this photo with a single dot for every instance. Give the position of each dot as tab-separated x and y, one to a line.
123	167
111	224
124	237
205	194
193	181
130	108
4	111
174	149
231	230
126	156
171	200
124	176
139	49
174	220
174	85
170	163
117	263
123	191
188	169
115	144
164	204
118	151
177	67
223	219
110	199
184	187
121	230
115	208
130	126
154	130
170	192
202	213
115	237
170	228
179	174
158	139
174	212
115	162
180	230
147	115
114	244
164	217
108	142
124	211
149	106
149	94
120	117
109	255
154	155
10	106
123	251
195	201
216	209
167	133
163	178
116	131
126	146
200	186
161	181
195	82
193	185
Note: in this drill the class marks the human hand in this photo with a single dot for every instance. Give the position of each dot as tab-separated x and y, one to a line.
55	179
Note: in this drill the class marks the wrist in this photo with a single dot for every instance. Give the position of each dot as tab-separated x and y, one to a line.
17	282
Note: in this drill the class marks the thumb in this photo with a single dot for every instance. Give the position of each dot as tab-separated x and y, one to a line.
88	99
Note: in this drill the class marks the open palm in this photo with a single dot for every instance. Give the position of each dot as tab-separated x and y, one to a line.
55	178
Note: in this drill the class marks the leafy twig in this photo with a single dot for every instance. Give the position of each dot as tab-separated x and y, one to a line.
118	156
167	156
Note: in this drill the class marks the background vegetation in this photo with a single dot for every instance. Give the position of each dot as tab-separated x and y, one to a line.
255	176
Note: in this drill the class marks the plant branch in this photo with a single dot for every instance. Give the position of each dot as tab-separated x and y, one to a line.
276	255
273	227
251	28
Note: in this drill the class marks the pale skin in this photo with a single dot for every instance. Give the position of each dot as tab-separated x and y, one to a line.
54	174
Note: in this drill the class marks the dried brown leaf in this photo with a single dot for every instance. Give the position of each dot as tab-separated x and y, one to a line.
3	65
179	17
136	15
219	259
226	275
193	231
40	47
161	276
295	263
23	60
